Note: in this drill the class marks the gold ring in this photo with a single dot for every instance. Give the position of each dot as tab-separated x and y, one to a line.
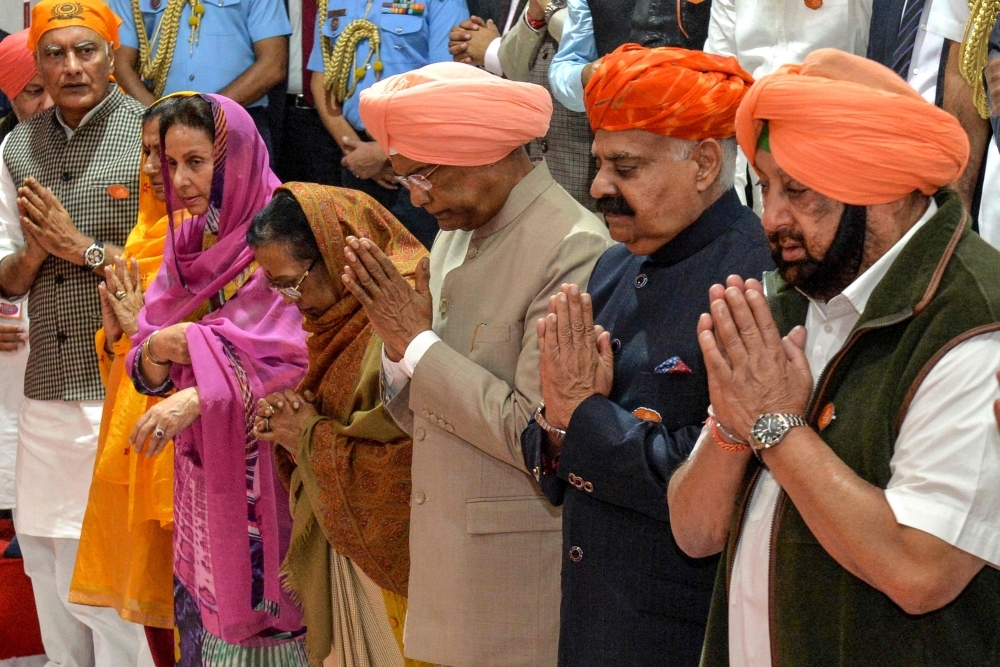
120	294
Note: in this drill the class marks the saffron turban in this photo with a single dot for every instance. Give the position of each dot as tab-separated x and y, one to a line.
452	114
54	14
674	92
852	130
17	64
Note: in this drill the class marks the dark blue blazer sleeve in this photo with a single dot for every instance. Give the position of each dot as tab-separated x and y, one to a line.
532	441
627	460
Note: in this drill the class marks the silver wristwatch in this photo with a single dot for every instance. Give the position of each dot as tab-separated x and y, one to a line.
553	7
771	428
557	433
94	255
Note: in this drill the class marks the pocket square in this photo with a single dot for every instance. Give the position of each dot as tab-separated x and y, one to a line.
672	366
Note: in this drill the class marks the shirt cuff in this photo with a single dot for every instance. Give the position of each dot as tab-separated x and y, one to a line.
393	377
416	349
491	61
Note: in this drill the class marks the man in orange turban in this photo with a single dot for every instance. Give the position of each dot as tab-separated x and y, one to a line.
852	391
69	186
460	354
625	401
20	82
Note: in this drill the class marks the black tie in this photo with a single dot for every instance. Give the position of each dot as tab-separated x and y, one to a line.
908	26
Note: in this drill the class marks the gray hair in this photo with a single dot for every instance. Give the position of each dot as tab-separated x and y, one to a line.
681	149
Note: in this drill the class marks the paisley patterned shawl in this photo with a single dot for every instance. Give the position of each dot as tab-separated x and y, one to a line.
352	481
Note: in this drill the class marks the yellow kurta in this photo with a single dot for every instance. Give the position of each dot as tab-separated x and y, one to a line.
125	559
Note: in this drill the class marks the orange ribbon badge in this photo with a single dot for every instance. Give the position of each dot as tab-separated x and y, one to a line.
118	192
647	415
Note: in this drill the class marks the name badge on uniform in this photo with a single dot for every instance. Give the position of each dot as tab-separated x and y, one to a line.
9	310
334	15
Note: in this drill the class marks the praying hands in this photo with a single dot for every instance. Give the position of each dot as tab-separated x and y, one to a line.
397	311
576	361
752	370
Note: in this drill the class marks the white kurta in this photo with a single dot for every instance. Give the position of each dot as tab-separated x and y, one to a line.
12	366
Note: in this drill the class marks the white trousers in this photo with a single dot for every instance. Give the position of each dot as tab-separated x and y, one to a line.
76	635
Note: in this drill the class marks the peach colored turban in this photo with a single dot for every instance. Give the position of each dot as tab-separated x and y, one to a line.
852	130
454	114
17	64
669	91
94	14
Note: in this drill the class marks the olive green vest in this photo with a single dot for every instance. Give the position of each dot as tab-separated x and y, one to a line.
943	288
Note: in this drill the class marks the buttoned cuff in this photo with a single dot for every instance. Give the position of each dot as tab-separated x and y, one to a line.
416	349
491	61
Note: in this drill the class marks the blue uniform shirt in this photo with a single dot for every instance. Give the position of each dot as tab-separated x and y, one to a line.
577	49
225	43
408	41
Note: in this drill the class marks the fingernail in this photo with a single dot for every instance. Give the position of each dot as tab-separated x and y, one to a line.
351	256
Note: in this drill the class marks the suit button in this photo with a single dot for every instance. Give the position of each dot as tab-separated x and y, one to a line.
537	472
61	337
443	307
572	479
588	487
59	280
425	414
575	554
67	177
393	622
419	497
442	423
419	434
545	146
641	280
579	483
616	346
449	428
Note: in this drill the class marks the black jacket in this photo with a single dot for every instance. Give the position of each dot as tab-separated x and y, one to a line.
629	595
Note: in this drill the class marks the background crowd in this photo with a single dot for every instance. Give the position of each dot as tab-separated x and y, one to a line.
330	337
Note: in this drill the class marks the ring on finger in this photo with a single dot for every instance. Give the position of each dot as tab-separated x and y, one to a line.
159	433
120	294
267	423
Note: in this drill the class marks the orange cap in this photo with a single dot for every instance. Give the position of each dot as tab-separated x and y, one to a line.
53	14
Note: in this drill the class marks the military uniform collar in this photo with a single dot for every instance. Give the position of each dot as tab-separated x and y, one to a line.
710	225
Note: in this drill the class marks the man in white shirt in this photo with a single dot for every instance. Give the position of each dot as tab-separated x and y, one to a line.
867	520
766	34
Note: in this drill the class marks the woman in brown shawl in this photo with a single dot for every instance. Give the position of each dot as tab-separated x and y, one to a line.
346	462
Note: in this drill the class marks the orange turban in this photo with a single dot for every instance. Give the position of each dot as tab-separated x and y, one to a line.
53	14
852	130
453	114
17	64
674	92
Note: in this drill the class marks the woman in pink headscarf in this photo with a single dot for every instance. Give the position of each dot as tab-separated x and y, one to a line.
215	332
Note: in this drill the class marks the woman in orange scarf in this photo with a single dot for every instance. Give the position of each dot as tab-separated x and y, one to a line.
345	461
125	555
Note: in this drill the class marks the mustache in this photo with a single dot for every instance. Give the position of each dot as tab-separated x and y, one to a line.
616	205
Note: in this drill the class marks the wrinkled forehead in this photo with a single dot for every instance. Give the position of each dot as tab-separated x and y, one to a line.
73	36
629	144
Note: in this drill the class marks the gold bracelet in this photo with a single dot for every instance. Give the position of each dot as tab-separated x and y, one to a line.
148	356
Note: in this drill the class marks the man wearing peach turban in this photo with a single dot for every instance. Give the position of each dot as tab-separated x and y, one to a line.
856	386
460	355
20	82
625	402
69	186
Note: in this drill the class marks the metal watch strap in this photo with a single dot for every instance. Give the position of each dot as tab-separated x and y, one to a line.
792	420
557	433
553	7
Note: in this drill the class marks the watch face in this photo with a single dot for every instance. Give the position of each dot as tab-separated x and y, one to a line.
95	256
769	429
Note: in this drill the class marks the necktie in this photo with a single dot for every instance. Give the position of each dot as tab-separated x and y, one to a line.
308	30
907	36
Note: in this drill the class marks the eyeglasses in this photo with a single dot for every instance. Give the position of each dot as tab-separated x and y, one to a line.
416	180
293	292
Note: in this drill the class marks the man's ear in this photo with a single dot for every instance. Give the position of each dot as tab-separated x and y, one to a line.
708	155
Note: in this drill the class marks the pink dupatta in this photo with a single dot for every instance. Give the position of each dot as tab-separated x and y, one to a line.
232	523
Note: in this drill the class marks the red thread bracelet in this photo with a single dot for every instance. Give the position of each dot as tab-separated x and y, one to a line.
713	424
